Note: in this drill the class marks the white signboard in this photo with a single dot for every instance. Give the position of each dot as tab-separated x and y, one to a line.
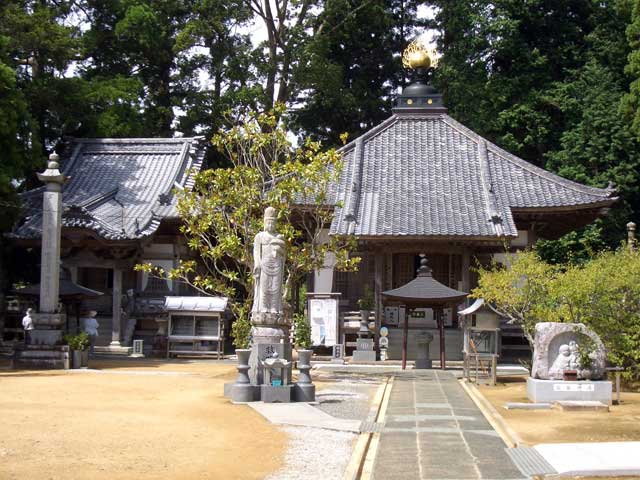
391	315
573	387
323	314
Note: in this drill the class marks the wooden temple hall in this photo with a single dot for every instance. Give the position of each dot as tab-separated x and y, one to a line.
422	183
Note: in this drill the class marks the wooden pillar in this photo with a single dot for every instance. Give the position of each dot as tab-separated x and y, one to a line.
465	270
378	288
443	353
405	335
388	271
73	271
117	307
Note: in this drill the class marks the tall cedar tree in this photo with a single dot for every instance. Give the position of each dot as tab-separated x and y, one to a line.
350	71
544	79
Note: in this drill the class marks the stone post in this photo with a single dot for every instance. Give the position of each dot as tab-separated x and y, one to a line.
51	226
116	323
44	349
631	235
423	359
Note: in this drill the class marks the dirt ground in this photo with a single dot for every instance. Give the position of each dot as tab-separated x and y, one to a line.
622	423
145	419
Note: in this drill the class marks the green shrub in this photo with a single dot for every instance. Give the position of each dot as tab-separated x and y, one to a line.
77	342
367	301
241	328
302	332
602	293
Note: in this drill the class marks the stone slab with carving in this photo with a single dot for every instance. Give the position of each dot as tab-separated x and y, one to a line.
555	350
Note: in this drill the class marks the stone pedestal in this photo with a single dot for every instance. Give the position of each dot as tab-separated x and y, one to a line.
242	391
41	357
112	349
304	390
422	359
44	349
265	341
364	352
279	394
542	391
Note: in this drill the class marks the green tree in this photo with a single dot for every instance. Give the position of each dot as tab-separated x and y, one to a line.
131	53
544	79
349	72
520	290
212	45
602	293
41	46
224	211
630	104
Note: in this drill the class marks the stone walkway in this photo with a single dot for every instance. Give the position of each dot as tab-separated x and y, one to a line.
433	430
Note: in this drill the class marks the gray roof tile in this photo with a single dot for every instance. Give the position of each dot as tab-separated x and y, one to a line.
120	188
428	175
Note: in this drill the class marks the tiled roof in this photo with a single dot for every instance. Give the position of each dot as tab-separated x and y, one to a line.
120	188
426	175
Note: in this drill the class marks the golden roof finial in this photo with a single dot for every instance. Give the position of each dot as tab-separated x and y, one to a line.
418	55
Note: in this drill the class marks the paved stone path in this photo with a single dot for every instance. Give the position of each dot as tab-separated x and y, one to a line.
433	430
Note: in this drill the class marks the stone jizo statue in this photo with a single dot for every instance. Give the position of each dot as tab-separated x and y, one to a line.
268	269
561	363
574	358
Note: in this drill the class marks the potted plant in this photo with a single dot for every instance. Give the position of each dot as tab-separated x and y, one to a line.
302	339
79	346
365	304
241	332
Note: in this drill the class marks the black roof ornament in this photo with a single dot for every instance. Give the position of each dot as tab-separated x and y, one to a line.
419	97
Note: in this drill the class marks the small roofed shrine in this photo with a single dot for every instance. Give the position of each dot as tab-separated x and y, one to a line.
424	291
421	182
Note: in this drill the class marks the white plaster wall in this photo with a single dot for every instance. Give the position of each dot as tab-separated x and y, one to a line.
323	277
165	264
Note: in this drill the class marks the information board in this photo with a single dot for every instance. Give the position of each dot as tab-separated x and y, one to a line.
323	314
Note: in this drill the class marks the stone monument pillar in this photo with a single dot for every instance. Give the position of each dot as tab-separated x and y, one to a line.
44	350
423	359
270	326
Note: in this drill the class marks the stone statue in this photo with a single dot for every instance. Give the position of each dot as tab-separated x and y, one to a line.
561	363
557	348
268	269
574	358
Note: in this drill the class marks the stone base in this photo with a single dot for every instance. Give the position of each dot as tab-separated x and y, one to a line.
41	357
539	391
304	393
260	350
582	406
422	363
363	356
113	350
282	394
244	393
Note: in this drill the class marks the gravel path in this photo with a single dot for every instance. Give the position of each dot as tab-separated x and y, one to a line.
315	453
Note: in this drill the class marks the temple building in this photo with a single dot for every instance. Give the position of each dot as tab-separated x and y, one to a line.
119	209
421	182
